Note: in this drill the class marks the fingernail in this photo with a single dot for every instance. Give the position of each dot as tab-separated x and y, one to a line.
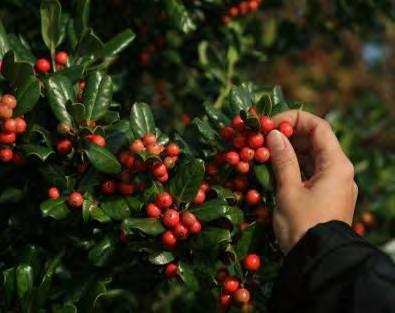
276	141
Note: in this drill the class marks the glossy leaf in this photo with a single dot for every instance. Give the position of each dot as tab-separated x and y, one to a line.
46	282
51	11
187	180
27	95
16	72
21	50
102	159
179	15
40	152
263	176
102	251
149	226
9	284
82	15
161	258
116	209
89	46
59	91
118	135
246	242
97	95
24	281
218	208
141	120
56	209
11	195
119	43
4	43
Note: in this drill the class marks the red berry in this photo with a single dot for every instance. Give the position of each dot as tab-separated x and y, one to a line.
129	161
108	187
7	138
238	123
188	219
170	218
180	231
368	219
96	139
171	270
200	197
159	169
247	154
126	189
169	240
5	112
241	183
252	262
122	236
221	276
9	101
76	199
232	158
43	66
137	146
231	284
6	155
149	139
239	141
253	197
286	128
82	84
212	169
164	200
9	126
225	301
64	146
255	140
204	187
170	162
140	165
226	19
234	11
185	119
360	229
227	133
20	125
173	150
53	193
163	178
262	155
241	296
61	57
267	124
243	167
195	228
253	5
152	210
155	149
243	7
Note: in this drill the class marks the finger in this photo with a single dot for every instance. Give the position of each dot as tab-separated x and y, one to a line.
315	133
283	159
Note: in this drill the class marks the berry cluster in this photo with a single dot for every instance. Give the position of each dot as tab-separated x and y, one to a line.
43	65
10	128
180	225
240	9
232	290
74	199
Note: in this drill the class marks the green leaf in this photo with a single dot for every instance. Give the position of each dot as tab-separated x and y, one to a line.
11	195
218	208
16	72
27	95
149	226
141	120
102	159
55	208
223	192
116	209
4	43
118	135
74	73
46	282
246	242
240	100
188	275
102	251
161	257
59	90
179	15
97	95
82	16
77	111
280	107
9	283
208	244
98	214
51	12
89	46
119	43
216	117
24	281
54	175
187	180
87	207
21	49
35	150
206	132
263	176
264	105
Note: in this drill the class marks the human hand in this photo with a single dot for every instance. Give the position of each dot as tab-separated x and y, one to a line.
315	184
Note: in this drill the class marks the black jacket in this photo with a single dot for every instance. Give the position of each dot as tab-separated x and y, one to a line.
331	269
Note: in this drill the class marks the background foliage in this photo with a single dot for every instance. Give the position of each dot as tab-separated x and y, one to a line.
335	57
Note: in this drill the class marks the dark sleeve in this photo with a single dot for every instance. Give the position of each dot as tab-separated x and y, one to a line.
331	269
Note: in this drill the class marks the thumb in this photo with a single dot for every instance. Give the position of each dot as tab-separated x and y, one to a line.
283	159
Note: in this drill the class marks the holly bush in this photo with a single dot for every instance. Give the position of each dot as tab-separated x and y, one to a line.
134	172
